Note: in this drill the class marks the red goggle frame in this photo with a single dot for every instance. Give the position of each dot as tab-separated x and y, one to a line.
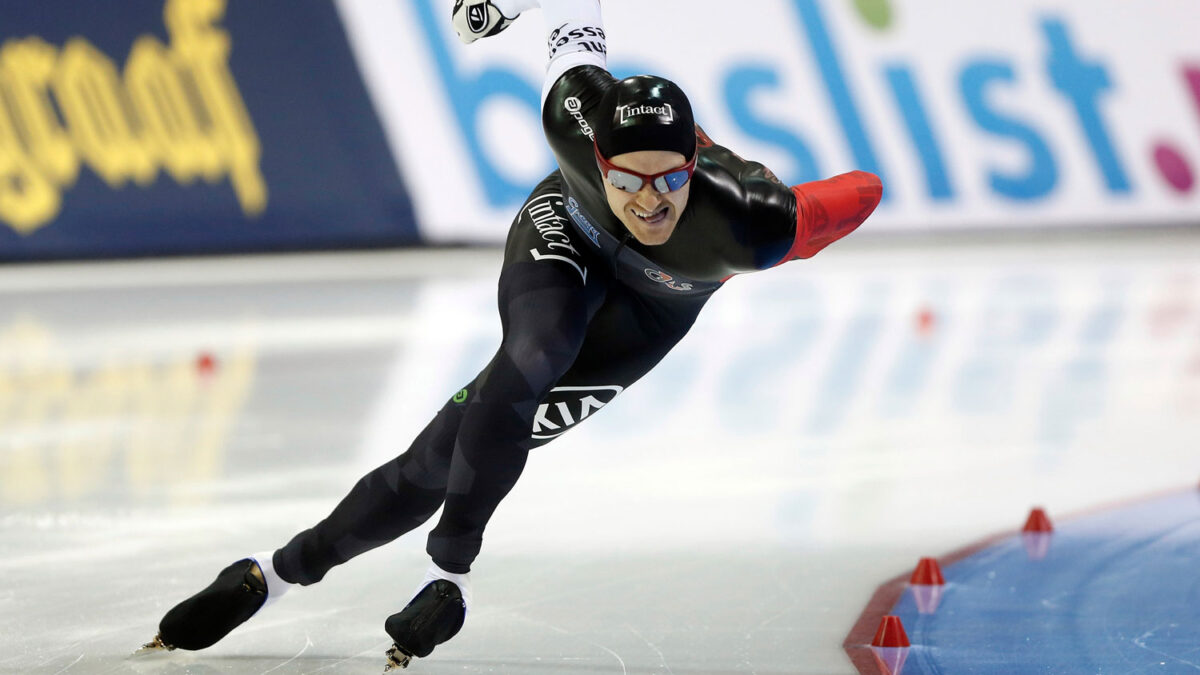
632	181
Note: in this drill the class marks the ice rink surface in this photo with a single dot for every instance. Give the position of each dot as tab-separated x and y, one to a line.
823	426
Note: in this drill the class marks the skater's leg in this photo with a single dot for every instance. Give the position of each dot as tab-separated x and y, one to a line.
386	503
625	336
546	300
545	304
545	308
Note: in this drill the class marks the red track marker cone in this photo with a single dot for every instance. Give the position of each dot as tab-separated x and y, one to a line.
890	633
926	321
927	573
1036	534
927	584
206	365
890	645
1038	521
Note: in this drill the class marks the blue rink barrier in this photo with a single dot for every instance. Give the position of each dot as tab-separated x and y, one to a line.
1114	591
150	127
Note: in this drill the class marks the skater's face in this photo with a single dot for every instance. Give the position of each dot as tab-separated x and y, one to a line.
649	215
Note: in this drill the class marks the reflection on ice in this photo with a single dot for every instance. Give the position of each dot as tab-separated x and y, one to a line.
824	424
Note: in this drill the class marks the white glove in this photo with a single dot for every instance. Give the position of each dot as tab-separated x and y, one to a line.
474	19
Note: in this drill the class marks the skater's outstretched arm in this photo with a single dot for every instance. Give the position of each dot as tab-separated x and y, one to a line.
574	30
801	220
829	209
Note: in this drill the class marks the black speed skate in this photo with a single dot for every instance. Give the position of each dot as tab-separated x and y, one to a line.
434	616
206	617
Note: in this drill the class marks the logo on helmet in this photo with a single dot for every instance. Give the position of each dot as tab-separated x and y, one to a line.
664	111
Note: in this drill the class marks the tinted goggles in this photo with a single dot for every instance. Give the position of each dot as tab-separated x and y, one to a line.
632	181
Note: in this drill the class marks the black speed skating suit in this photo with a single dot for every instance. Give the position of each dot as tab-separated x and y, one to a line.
586	311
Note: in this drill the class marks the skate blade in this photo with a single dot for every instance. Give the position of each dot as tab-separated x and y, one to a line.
155	646
396	659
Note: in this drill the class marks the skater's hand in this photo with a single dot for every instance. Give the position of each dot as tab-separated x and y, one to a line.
474	19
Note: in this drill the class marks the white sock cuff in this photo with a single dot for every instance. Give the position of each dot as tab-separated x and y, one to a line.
276	586
463	581
512	8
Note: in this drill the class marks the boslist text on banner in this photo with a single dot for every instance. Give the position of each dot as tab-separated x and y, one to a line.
146	127
982	114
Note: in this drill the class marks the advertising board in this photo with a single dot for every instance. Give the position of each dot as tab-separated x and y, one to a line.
151	127
989	114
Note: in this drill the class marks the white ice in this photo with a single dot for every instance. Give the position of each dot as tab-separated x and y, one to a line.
825	425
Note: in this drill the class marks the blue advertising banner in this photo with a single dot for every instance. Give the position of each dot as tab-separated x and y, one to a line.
150	127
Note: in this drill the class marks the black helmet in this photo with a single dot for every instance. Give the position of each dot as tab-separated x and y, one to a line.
645	113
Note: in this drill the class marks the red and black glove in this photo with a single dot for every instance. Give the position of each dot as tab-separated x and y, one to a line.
827	210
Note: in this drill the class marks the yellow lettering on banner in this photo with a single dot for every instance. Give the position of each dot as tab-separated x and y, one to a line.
176	107
206	53
27	197
28	67
174	126
98	116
